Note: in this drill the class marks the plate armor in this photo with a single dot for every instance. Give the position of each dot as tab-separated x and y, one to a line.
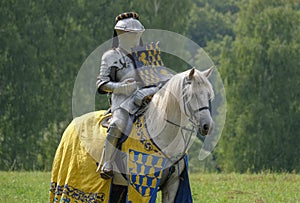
116	66
118	76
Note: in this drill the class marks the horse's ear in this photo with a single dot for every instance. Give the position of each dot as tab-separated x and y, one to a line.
191	75
208	72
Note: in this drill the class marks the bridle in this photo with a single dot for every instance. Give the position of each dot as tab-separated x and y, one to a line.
187	110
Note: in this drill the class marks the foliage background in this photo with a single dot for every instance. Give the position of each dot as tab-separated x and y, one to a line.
255	45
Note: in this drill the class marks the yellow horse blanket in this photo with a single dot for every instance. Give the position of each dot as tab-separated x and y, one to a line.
74	177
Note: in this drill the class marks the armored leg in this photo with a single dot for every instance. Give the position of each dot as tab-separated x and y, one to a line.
110	145
121	124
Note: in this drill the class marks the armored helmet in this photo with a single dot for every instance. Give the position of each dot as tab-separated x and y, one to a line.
128	22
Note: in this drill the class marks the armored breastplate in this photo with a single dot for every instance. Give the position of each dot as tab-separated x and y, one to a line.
125	69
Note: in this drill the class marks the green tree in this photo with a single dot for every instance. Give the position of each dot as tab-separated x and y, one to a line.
212	20
42	47
261	73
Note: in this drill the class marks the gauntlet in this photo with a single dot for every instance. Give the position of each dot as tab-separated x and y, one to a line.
144	95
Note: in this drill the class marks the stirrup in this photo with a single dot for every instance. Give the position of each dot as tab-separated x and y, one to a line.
107	170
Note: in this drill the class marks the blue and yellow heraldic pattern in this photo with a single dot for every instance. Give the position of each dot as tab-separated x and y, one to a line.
145	172
145	165
74	177
149	64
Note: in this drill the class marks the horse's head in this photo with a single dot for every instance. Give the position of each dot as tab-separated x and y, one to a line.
191	91
197	93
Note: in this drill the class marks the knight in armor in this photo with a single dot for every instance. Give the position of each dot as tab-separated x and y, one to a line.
119	77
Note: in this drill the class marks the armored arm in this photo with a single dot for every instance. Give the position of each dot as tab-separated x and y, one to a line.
144	95
107	82
125	87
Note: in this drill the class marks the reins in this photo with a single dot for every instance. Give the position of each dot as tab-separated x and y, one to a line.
183	129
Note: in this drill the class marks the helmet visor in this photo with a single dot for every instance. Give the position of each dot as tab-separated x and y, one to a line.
130	25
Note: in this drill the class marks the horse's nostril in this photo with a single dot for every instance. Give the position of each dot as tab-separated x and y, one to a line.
206	127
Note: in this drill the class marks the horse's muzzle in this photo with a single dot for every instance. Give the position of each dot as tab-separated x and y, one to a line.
206	128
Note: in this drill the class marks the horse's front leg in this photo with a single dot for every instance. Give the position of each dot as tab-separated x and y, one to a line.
171	185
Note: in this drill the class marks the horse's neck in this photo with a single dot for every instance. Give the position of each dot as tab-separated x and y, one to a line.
164	128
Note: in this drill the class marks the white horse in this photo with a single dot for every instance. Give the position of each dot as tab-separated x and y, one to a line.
181	105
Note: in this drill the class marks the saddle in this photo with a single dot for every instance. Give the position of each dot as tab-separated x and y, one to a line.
106	121
142	100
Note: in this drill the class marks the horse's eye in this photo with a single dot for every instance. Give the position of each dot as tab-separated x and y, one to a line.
209	96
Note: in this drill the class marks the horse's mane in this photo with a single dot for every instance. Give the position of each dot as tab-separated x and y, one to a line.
171	95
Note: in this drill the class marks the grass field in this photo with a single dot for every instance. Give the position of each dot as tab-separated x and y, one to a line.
259	188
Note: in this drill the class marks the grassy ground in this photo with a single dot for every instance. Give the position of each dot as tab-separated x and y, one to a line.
24	187
260	188
214	188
